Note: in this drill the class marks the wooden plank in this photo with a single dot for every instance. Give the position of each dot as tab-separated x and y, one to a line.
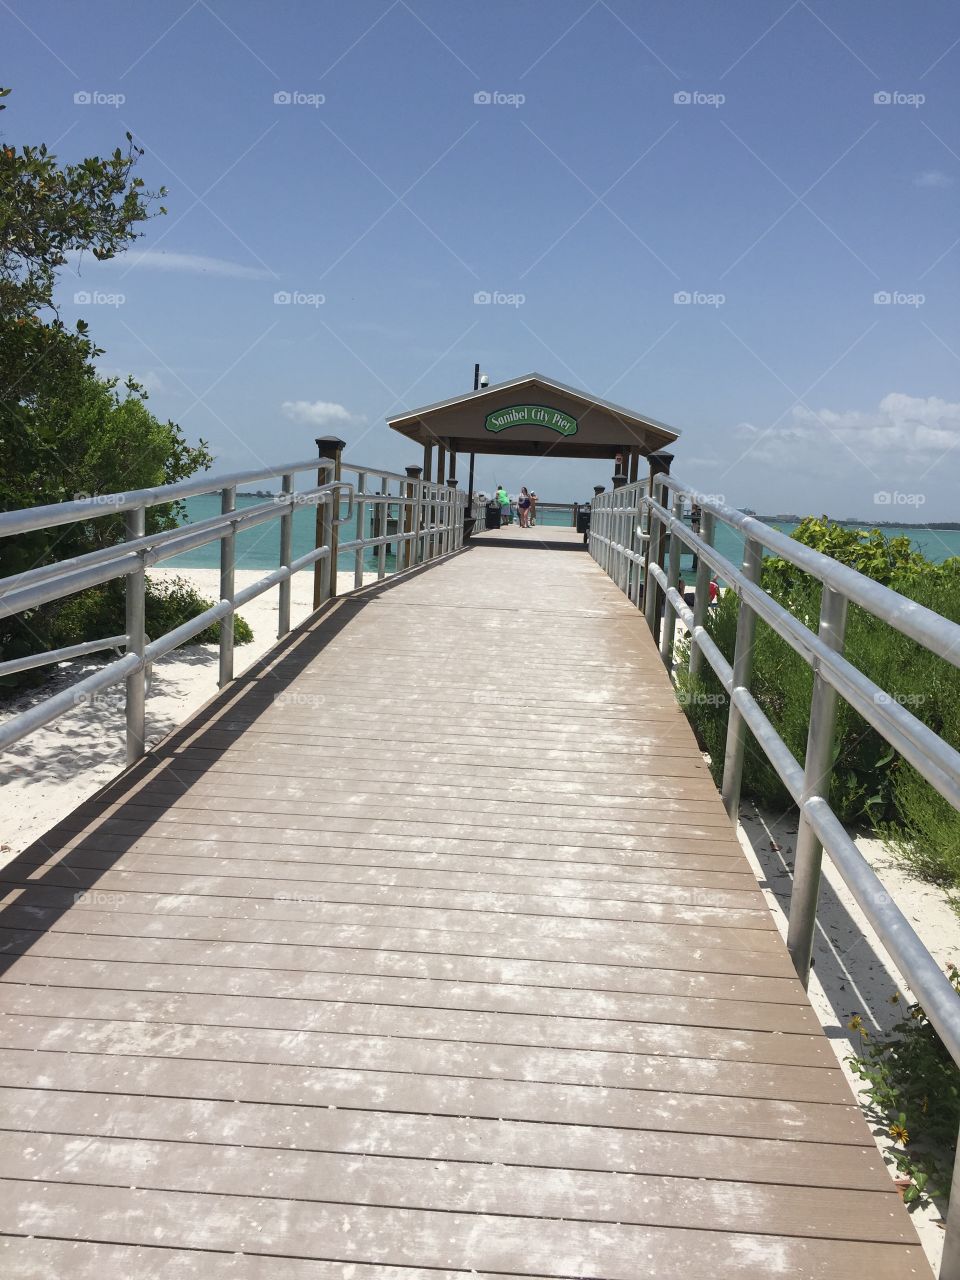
392	867
425	1137
493	997
27	1259
331	1178
232	877
414	909
651	851
679	951
643	1110
442	965
691	1033
399	1237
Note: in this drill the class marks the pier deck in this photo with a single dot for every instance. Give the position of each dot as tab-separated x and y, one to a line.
425	949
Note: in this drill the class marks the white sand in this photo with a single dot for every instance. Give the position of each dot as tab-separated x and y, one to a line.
48	774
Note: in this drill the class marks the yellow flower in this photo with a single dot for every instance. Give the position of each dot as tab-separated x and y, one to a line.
856	1024
899	1133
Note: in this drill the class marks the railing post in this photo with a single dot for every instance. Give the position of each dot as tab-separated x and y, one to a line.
593	545
673	580
135	603
228	560
410	516
618	480
636	544
286	558
654	555
818	766
384	512
701	592
361	529
330	449
950	1260
742	670
452	510
659	464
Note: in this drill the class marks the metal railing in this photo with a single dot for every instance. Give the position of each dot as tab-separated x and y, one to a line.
384	509
637	539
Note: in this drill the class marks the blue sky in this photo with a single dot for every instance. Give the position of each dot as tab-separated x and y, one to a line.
735	153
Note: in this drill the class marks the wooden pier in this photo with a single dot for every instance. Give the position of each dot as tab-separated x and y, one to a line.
425	950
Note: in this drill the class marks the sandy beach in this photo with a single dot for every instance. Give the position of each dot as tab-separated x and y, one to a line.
49	773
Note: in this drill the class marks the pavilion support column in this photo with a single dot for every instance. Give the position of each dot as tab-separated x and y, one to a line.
427	462
452	469
469	517
441	464
634	465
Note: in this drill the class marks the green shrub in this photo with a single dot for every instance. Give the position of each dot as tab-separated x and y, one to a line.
100	611
913	1087
869	783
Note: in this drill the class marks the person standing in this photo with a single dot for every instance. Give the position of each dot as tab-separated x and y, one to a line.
503	498
533	508
523	506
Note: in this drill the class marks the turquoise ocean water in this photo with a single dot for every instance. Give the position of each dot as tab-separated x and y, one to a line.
259	548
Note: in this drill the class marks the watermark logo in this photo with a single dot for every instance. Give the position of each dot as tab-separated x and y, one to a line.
694	298
100	499
96	298
96	701
497	298
295	298
699	698
290	698
695	98
698	499
895	298
97	898
95	98
297	896
297	98
894	98
894	498
494	98
882	699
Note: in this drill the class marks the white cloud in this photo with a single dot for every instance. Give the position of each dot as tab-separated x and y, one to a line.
197	263
319	413
901	430
933	178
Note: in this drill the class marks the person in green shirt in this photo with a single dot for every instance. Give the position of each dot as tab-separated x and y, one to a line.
504	499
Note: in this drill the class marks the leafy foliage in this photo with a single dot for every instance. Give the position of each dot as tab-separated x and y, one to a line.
99	611
64	431
869	783
913	1086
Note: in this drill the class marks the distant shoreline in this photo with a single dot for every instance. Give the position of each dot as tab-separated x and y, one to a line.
855	522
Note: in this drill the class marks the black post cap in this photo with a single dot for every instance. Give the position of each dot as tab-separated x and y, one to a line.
619	480
329	446
414	472
452	482
660	461
598	488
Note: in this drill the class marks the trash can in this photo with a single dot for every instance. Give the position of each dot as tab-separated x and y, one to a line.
583	520
492	520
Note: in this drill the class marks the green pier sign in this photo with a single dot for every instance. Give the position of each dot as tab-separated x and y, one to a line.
531	415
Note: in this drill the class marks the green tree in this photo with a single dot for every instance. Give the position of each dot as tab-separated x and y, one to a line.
65	431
